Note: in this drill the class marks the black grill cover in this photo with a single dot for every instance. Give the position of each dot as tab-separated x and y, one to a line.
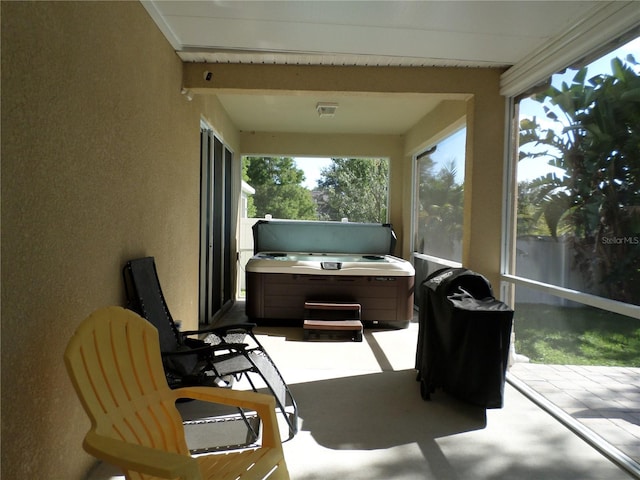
464	336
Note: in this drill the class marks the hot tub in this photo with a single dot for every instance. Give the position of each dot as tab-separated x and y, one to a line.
280	281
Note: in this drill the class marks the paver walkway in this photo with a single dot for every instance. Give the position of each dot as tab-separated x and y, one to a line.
604	399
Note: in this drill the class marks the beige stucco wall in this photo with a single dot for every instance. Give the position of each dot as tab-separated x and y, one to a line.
100	164
448	116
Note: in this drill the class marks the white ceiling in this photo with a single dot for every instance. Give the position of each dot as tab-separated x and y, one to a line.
356	114
394	33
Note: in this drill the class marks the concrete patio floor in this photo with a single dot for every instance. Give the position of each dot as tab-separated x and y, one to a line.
362	416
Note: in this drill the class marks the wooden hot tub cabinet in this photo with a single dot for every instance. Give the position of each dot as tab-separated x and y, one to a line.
278	296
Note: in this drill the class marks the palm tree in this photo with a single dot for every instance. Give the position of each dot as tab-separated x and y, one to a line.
597	202
440	210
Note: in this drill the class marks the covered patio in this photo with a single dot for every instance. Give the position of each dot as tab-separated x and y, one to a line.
106	113
362	416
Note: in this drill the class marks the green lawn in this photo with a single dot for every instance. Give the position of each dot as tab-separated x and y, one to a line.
576	336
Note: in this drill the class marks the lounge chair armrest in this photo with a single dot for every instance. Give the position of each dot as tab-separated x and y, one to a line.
222	329
142	459
195	343
264	404
238	347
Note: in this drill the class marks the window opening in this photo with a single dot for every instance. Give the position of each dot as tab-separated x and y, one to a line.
578	180
327	189
440	198
575	241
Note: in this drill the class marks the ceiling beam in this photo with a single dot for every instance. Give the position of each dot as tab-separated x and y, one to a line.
210	78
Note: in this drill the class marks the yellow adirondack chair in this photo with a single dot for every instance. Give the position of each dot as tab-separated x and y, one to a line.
114	362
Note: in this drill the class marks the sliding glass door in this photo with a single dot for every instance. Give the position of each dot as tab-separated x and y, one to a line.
215	227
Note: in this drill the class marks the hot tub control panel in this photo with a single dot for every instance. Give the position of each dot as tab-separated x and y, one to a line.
331	265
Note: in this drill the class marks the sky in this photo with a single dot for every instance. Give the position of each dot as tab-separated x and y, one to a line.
527	169
311	167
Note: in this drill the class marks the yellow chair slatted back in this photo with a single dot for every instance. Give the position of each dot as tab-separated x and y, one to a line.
116	369
115	366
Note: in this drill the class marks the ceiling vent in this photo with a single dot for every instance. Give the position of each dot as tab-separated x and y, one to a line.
326	109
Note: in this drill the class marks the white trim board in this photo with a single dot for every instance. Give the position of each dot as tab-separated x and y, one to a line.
600	26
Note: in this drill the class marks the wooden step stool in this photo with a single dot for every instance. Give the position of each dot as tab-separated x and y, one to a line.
332	317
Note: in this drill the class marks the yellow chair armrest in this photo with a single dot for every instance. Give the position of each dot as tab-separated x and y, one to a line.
142	459
263	404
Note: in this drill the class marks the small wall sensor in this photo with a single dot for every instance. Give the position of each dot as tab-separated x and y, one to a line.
326	109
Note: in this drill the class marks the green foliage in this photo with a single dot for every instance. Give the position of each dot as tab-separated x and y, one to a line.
278	187
529	218
354	188
440	209
576	336
597	144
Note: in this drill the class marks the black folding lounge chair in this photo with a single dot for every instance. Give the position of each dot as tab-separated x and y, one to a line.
218	356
